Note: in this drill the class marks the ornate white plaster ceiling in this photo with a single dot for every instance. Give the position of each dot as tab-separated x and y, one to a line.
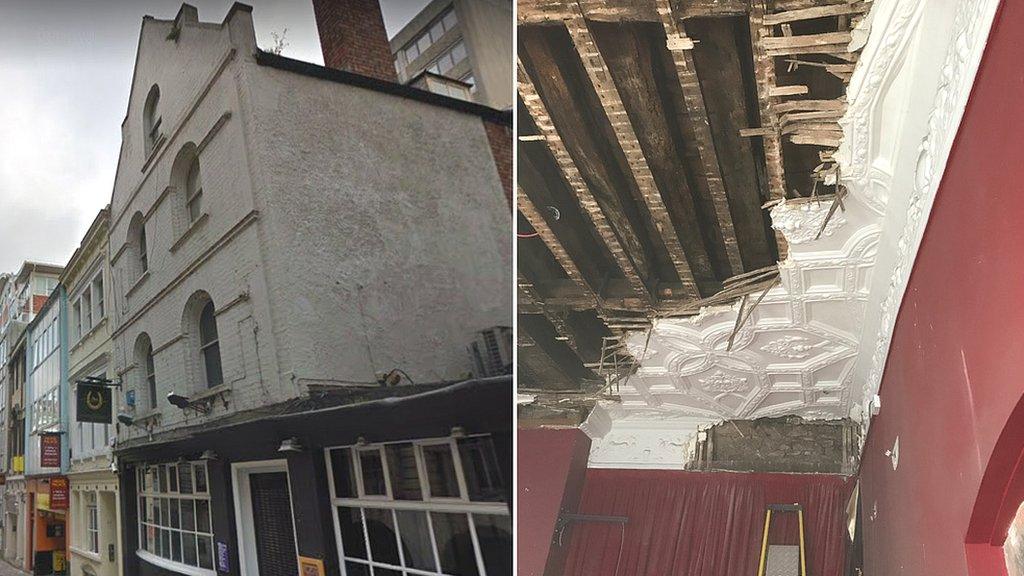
816	345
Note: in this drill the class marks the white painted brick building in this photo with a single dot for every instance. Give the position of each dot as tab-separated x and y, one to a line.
275	227
343	232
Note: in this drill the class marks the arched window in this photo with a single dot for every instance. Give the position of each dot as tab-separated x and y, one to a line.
143	251
209	346
194	191
138	245
147	369
151	118
187	182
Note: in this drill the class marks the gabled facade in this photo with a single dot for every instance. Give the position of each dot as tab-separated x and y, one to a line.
94	520
283	239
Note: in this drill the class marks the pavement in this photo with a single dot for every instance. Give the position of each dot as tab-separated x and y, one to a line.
8	570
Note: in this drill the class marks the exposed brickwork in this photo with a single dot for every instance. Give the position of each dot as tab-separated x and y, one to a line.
353	37
500	138
38	302
789	444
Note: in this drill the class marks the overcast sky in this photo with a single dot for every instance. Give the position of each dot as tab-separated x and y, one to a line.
65	69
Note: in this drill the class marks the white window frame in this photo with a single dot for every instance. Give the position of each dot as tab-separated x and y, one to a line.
89	306
194	194
92	521
459	505
143	491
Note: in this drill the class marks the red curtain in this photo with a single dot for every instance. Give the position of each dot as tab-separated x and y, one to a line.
704	523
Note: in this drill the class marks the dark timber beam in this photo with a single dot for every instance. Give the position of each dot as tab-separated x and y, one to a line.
547	235
645	75
608	93
584	196
679	46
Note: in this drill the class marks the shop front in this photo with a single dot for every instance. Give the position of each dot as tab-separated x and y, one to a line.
48	519
331	491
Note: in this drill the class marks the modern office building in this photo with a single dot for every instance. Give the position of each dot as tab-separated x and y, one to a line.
459	48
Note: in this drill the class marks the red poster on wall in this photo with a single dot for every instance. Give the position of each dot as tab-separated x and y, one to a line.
49	450
58	493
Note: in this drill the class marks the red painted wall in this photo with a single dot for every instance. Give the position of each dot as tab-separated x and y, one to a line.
956	366
552	468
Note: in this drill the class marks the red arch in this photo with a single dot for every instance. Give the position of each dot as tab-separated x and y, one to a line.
999	496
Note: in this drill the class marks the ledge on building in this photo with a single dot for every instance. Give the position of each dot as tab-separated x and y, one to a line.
135	286
172	566
384	86
195	225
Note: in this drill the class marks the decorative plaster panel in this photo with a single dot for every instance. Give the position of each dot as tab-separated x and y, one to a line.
816	345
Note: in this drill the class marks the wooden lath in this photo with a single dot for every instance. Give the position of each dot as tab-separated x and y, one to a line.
531	302
764	75
686	70
801	121
547	235
615	110
535	106
813	12
550	11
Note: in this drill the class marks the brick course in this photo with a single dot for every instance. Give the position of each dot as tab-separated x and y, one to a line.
353	37
500	138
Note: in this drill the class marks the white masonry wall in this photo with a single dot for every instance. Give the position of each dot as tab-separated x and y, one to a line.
346	232
387	230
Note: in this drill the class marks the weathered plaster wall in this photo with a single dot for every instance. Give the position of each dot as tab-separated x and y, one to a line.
952	378
387	236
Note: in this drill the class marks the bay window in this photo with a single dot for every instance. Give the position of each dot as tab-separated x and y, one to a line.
174	514
423	507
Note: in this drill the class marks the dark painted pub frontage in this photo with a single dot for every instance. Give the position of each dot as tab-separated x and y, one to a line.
417	484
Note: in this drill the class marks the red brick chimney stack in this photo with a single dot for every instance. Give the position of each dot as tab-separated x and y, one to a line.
353	37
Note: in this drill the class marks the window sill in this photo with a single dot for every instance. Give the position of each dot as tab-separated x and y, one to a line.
149	417
190	231
208	397
85	554
142	280
173	566
89	334
160	141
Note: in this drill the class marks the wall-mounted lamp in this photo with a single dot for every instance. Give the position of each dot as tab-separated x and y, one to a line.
361	441
458	432
208	455
290	445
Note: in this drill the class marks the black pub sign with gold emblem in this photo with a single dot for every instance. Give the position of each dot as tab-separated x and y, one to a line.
94	404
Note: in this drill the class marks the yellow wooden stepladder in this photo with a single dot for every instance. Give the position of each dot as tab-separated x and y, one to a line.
781	508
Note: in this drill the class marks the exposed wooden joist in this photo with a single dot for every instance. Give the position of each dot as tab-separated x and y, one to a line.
548	11
764	74
547	235
586	199
608	93
690	84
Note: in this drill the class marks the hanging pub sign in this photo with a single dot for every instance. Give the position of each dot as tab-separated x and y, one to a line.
49	450
94	404
59	493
